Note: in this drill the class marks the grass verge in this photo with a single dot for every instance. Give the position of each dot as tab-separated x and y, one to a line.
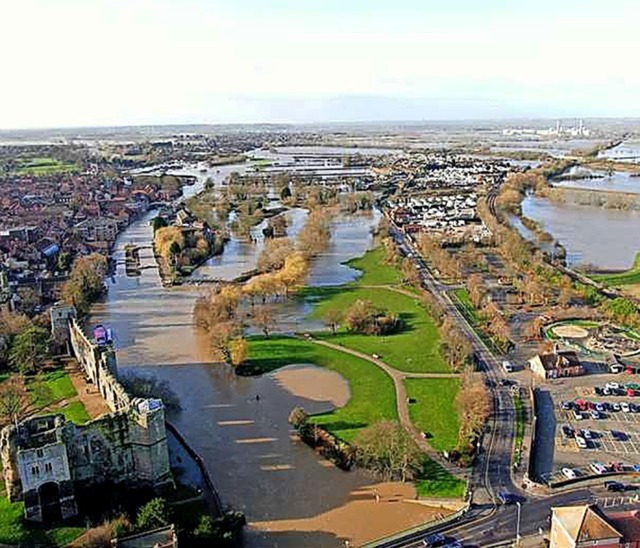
627	277
519	433
434	410
438	482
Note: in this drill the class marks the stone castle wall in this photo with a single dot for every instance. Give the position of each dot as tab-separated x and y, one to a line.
45	458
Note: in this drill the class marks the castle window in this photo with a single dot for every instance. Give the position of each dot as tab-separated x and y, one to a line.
35	470
39	453
48	467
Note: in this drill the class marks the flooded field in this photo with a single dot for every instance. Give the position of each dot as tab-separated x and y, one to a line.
605	238
615	181
629	151
291	497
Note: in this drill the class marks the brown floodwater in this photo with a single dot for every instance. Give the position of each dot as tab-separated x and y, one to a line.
291	497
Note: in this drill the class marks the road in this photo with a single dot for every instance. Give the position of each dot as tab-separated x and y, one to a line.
488	523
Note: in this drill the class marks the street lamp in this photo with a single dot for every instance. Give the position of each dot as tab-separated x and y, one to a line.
519	505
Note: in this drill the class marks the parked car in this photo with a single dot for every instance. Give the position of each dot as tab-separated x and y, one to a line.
577	415
586	434
568	431
625	407
618	436
453	544
600	407
507	366
433	540
614	486
566	405
569	473
581	442
598	467
595	414
615	406
634	408
597	390
613	386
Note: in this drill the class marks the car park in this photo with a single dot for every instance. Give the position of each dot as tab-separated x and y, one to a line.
569	473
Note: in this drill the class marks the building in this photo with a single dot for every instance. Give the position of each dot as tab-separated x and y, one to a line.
97	230
556	364
586	525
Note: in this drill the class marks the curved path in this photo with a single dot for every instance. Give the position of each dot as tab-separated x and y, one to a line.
402	406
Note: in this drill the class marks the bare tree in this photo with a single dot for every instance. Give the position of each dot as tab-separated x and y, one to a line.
264	318
474	406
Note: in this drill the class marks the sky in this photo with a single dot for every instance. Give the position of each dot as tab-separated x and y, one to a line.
72	63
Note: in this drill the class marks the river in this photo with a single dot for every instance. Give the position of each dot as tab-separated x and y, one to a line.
286	491
605	238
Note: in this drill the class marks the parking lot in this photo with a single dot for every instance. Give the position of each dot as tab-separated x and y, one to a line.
609	435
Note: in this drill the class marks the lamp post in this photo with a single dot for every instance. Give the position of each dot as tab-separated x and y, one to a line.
519	505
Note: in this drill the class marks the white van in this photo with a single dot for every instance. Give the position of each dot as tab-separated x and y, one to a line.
507	366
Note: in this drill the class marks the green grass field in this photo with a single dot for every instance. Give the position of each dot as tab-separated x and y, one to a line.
435	410
519	434
60	388
14	531
627	277
461	295
439	483
374	268
372	394
75	412
43	166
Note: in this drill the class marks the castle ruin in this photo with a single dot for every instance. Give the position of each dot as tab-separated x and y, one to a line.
46	459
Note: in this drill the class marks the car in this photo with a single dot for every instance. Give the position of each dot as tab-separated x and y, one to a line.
614	486
581	442
597	390
636	467
618	436
615	406
568	431
505	382
433	540
507	498
507	366
595	415
598	467
634	408
566	405
625	407
577	415
600	407
586	434
453	544
375	356
613	386
569	473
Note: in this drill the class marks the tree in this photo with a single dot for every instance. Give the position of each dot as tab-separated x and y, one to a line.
86	281
366	318
28	349
239	350
297	417
158	223
152	515
474	406
264	319
386	448
14	399
332	319
455	345
477	290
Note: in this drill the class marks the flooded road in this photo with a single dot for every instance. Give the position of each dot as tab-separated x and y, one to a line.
605	238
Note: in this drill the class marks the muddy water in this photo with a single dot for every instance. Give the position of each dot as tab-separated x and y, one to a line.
596	236
617	181
246	443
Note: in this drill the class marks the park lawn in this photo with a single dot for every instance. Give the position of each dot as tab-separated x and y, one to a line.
435	410
14	530
372	392
375	270
415	349
438	483
75	412
60	388
626	277
43	166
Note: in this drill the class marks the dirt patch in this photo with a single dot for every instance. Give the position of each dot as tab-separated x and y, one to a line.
88	393
361	519
314	383
570	332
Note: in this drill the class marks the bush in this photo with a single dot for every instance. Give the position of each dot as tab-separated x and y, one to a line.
152	515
